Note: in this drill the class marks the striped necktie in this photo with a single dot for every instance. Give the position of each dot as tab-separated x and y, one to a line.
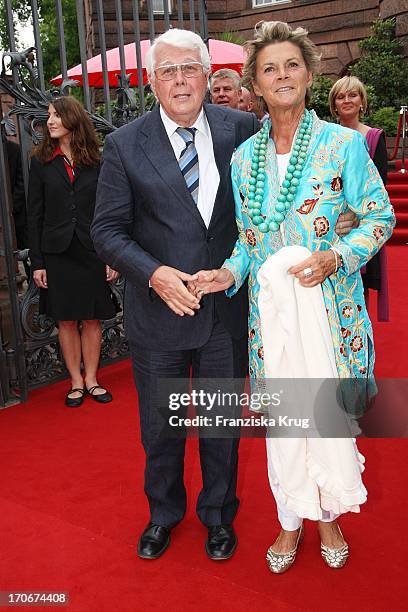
188	161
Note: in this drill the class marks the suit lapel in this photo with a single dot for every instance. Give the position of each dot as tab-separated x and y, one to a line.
223	137
83	175
158	149
78	173
58	164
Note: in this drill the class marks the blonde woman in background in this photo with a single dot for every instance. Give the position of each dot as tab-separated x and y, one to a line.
348	103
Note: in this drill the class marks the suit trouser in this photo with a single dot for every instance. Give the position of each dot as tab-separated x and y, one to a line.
220	357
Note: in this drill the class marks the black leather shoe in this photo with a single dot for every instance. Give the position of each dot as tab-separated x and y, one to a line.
221	542
102	398
153	542
74	402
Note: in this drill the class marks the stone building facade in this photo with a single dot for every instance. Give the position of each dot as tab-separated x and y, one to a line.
335	26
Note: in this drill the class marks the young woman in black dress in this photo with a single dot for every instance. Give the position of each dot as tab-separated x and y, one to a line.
73	282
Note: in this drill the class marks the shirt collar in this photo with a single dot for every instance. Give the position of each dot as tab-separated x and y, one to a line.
171	126
57	151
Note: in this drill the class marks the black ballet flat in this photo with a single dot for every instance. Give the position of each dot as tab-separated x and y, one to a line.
102	398
74	402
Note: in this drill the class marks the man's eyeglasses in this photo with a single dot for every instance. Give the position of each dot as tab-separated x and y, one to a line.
190	70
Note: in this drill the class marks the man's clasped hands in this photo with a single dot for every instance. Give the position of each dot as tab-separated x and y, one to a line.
182	292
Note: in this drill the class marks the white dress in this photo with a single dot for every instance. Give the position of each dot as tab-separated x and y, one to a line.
311	477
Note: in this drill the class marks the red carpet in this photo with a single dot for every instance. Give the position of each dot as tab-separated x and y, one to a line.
397	187
72	506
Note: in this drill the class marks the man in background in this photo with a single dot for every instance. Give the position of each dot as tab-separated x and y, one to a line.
19	199
225	88
245	101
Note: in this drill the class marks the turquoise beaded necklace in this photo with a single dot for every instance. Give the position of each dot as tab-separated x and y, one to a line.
290	184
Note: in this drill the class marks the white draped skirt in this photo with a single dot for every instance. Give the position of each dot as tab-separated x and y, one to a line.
313	477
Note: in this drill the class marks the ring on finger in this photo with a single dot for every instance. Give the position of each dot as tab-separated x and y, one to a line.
307	272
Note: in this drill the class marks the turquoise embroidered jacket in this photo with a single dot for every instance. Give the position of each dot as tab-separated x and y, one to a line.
338	174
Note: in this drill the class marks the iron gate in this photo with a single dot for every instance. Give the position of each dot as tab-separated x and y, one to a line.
30	354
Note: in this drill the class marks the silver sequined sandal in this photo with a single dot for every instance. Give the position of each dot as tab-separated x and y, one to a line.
335	557
281	562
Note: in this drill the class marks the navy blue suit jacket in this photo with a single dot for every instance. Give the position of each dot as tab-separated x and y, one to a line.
145	217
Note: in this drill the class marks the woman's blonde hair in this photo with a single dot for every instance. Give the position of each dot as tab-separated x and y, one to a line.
269	32
344	85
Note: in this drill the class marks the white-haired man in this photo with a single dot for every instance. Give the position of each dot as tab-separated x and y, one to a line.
165	209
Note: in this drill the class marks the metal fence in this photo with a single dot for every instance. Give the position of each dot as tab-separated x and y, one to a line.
29	350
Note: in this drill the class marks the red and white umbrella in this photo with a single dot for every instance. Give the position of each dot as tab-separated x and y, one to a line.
223	55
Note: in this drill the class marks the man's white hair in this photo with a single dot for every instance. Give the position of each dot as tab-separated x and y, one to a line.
182	39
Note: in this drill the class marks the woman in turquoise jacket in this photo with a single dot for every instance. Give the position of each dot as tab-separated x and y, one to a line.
291	182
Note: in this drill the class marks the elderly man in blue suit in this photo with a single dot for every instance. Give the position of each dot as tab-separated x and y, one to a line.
165	209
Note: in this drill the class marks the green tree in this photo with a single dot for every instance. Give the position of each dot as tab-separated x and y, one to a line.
387	119
48	32
230	36
21	13
382	66
49	36
320	97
